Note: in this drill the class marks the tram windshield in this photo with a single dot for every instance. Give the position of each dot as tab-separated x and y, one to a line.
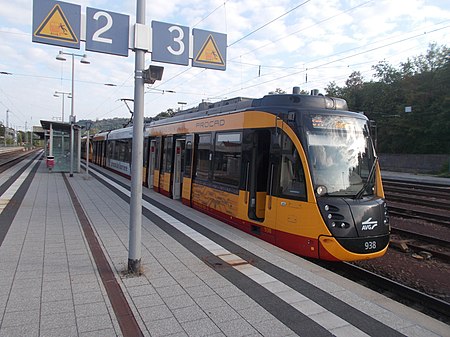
341	155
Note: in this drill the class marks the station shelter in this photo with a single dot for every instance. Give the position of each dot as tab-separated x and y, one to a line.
57	146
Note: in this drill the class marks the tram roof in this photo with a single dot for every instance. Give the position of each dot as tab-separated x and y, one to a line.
268	102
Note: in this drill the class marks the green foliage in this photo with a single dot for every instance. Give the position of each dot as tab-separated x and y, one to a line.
104	124
422	83
118	123
278	91
164	114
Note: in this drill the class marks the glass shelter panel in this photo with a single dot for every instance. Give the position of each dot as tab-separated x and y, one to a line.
61	151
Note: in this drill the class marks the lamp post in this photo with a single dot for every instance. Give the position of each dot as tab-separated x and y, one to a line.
6	124
88	128
57	94
60	57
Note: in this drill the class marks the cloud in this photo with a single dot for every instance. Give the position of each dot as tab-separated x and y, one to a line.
331	40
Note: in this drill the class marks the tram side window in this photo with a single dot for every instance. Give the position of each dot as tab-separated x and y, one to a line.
167	155
122	150
157	153
146	146
188	159
203	157
227	158
292	177
110	149
116	150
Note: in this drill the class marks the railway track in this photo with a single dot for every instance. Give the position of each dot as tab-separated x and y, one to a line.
423	201
10	158
420	222
408	211
418	187
415	298
419	243
430	201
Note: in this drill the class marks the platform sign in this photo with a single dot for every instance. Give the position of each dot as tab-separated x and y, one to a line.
56	23
59	23
107	32
210	49
170	43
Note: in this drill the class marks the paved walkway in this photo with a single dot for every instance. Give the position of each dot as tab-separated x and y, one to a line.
51	285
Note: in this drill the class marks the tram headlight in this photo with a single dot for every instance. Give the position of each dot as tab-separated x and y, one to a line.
321	190
337	217
386	216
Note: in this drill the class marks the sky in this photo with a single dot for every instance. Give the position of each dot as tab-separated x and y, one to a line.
270	45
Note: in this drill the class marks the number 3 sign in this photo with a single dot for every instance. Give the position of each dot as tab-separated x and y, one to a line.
172	43
107	32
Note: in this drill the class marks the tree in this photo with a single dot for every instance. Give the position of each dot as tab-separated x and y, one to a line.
386	72
352	90
422	82
333	90
435	58
355	81
165	114
278	91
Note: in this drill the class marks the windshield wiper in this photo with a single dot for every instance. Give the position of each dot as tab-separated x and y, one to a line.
368	181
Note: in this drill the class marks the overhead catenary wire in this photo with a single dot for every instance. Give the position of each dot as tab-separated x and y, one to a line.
308	27
244	37
268	68
337	60
315	24
268	23
259	28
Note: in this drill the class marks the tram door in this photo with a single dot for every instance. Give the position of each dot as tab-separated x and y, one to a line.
186	190
257	174
178	169
157	163
151	163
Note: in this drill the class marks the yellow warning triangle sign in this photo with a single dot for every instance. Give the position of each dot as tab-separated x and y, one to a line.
56	26
209	53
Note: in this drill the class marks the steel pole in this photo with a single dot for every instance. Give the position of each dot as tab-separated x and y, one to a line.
71	117
62	116
6	125
87	155
134	252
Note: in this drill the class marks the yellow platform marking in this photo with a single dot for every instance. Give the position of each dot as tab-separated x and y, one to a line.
210	53
56	26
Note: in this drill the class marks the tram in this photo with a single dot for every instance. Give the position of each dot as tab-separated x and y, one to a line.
298	171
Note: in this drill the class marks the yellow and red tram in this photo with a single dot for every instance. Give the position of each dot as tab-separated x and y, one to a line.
299	171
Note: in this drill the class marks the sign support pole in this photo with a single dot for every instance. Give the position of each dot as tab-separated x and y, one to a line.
134	252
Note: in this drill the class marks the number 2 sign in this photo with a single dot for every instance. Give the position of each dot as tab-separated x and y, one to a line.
107	32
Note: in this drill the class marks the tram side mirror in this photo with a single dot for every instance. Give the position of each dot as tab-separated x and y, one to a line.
152	74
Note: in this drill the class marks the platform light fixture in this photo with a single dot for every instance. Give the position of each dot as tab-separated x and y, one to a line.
84	60
62	94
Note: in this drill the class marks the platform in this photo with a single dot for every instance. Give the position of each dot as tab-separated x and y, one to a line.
64	254
415	178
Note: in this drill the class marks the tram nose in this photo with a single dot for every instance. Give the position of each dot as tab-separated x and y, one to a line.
346	218
371	217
